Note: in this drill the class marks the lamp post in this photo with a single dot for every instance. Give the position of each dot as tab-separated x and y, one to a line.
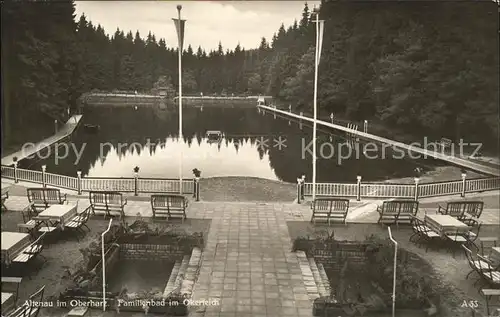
394	269
179	24
319	40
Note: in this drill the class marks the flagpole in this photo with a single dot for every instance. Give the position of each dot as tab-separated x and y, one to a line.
181	138
315	106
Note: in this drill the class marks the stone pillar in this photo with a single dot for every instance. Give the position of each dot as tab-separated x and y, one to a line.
464	183
44	182
16	180
79	182
417	180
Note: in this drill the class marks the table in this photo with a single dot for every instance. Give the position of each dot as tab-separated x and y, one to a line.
445	224
58	213
12	243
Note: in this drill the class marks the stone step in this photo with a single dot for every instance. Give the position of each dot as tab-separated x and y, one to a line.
171	280
317	277
324	278
182	273
307	275
191	273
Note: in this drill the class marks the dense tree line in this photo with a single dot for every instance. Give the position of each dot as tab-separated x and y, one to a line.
415	65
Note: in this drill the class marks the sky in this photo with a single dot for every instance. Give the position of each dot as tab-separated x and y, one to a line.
208	22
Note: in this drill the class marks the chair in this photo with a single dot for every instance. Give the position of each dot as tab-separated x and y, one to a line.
475	264
79	221
473	234
488	294
31	251
30	225
489	240
422	231
456	238
5	196
27	310
489	274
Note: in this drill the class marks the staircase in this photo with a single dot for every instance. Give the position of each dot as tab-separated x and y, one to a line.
184	274
314	276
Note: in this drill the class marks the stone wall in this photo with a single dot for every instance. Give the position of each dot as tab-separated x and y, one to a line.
149	252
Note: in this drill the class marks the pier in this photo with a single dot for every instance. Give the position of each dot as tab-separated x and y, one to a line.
484	168
61	134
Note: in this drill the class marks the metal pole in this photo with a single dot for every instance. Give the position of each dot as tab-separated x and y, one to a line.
394	277
104	268
179	7
315	106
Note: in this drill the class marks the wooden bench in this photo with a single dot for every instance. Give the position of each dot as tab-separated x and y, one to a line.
488	294
397	211
42	198
329	209
173	206
445	143
108	202
462	210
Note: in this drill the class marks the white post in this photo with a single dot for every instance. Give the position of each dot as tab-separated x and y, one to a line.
104	268
315	107
464	176
179	7
394	277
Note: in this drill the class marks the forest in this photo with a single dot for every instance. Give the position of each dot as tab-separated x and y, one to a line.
412	65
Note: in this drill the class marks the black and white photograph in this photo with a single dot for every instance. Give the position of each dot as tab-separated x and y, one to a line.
329	158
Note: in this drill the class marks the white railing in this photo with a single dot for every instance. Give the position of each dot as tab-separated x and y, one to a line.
387	190
439	189
377	190
154	185
29	176
8	172
62	181
480	184
331	189
108	184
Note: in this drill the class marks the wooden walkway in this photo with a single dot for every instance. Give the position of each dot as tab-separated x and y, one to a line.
62	133
485	168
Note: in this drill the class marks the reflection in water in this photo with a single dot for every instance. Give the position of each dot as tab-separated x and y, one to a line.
253	144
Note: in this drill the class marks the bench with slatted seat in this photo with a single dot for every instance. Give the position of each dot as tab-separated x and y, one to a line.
462	210
170	205
397	211
42	198
108	202
329	210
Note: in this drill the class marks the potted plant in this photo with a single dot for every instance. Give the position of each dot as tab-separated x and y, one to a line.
196	172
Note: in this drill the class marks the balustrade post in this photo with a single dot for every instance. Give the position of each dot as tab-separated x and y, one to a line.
302	186
464	176
299	196
16	179
417	180
79	182
197	188
136	180
44	181
358	188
